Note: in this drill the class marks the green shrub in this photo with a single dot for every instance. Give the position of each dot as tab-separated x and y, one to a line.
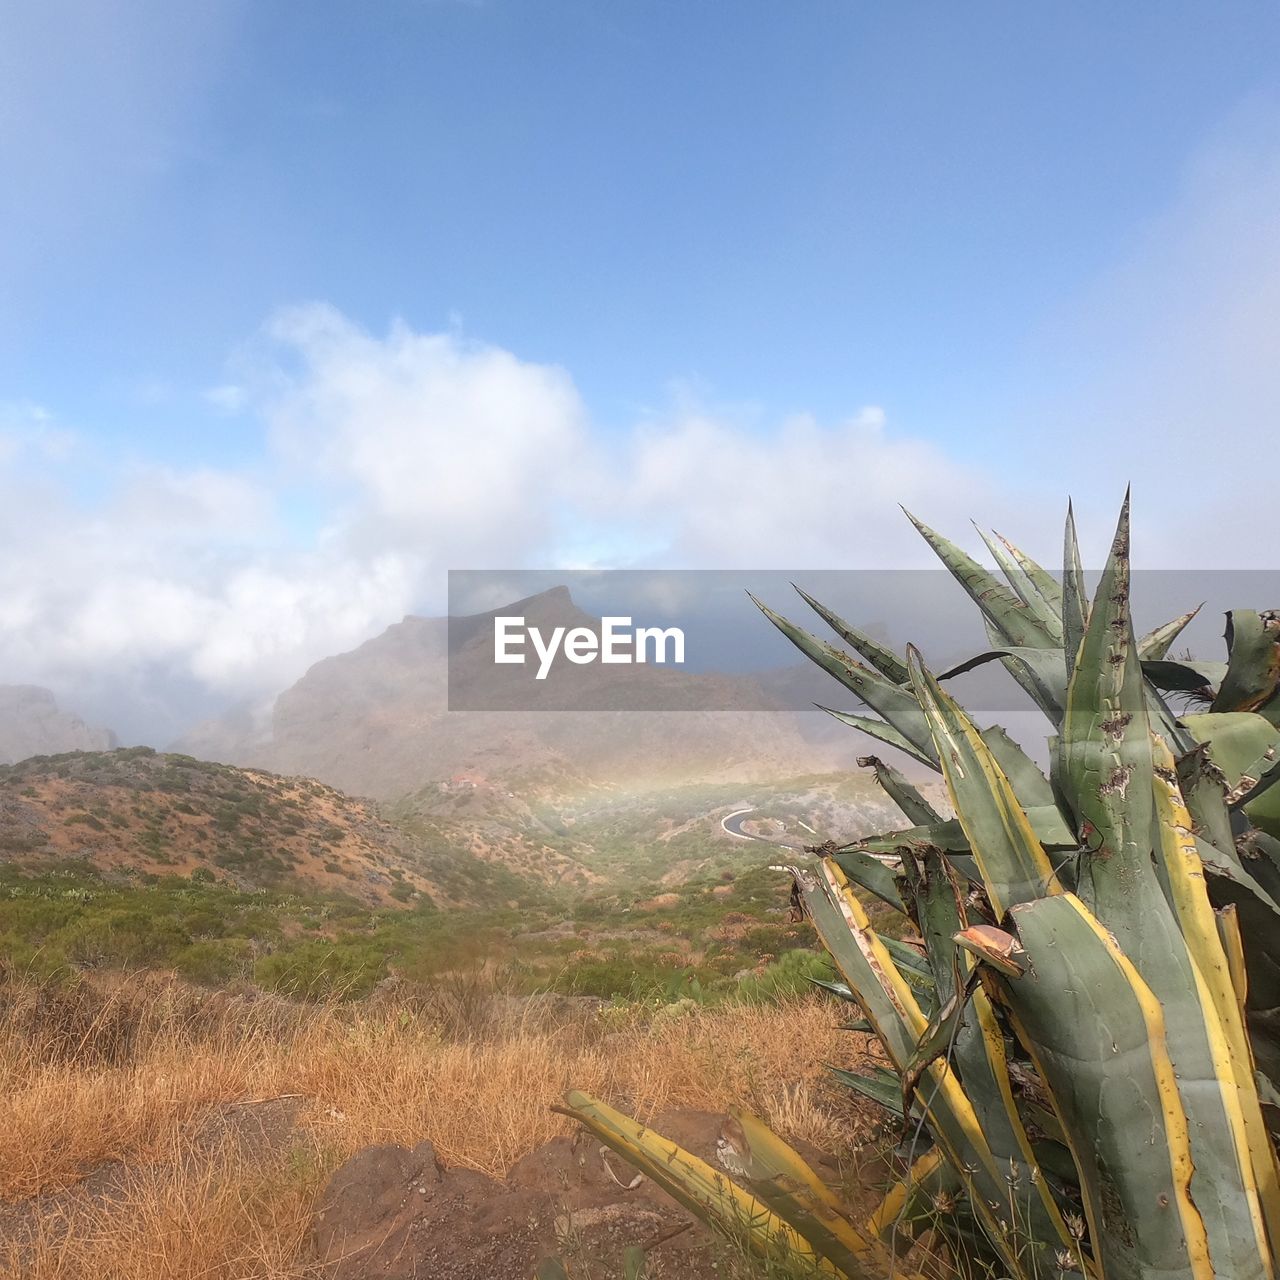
789	975
215	961
88	820
20	958
128	937
316	970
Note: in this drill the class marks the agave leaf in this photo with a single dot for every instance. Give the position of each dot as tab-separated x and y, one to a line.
933	1196
1024	586
1018	671
838	989
895	703
1016	623
634	1262
1030	786
880	1086
1261	852
1046	1121
892	1008
1105	743
1246	747
1253	666
859	953
1228	922
916	808
1262	802
939	1036
913	967
1075	600
911	1205
1243	870
1001	950
1096	1033
778	1175
870	873
1198	678
1259	923
1175	848
1049	588
883	659
1012	862
859	1025
881	731
907	958
1269	1094
1046	821
551	1269
1156	643
1044	668
1109	778
1241	743
948	836
965	1027
1204	788
705	1192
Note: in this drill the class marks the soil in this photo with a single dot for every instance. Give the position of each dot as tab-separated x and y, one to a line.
396	1213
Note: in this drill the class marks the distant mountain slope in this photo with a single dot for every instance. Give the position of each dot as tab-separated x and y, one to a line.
137	811
32	724
375	721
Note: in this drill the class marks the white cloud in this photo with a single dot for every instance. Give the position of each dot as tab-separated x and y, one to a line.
423	452
453	448
801	494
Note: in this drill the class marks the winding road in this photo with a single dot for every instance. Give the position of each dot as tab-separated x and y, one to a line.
732	823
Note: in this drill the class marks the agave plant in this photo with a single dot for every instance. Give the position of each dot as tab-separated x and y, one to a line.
1085	1041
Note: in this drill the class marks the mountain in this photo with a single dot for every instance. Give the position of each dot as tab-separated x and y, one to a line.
135	811
32	724
376	721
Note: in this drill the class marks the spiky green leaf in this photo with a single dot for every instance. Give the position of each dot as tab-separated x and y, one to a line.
883	659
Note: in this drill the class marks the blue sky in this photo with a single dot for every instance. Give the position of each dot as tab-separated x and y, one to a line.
1010	241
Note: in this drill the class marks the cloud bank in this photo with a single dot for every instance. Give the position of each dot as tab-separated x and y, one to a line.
419	452
145	595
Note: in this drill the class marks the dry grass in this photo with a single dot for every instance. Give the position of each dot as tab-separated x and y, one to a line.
134	1076
230	1217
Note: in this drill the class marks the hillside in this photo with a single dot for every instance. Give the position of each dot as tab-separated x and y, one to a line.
139	812
375	721
32	723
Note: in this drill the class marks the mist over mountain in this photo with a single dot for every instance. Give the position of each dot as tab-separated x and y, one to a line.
375	721
32	724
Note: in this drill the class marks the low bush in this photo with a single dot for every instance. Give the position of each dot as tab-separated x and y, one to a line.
216	961
320	970
789	976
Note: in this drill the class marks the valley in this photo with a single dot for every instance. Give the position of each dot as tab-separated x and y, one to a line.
360	917
369	832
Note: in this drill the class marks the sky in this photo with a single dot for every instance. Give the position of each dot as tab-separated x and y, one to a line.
301	306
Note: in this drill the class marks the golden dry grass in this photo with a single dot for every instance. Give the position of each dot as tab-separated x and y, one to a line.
135	1077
